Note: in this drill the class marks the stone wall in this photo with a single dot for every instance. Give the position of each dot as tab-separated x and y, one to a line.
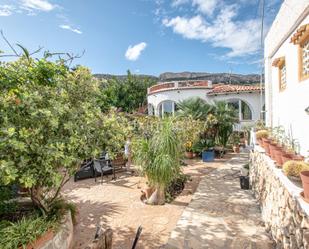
64	237
284	212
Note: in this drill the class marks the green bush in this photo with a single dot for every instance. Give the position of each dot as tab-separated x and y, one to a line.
293	168
50	121
60	207
7	206
26	230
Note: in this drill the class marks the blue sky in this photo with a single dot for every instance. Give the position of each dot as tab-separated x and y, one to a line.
144	36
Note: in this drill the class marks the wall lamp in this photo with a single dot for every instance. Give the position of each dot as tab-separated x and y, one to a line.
307	110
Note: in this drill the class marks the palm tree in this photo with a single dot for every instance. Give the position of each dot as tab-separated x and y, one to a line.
226	117
194	107
159	158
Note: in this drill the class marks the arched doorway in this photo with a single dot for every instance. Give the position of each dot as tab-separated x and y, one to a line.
167	108
242	109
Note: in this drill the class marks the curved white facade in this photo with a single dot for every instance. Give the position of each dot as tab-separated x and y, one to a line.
206	91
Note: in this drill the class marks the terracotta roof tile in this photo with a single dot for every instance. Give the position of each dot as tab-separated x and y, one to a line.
302	32
219	89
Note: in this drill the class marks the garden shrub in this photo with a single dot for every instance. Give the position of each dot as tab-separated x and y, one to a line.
261	134
293	168
24	231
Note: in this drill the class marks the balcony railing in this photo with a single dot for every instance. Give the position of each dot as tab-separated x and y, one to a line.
179	85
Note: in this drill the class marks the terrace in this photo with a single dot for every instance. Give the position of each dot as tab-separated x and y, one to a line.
176	85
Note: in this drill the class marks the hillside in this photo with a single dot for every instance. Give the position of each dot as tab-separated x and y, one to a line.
214	77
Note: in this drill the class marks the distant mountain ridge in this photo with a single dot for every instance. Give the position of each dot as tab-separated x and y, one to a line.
214	77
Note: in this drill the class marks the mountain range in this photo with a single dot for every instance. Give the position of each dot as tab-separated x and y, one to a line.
226	78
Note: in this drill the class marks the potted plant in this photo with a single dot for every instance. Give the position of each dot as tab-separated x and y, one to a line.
304	175
260	135
196	149
292	169
189	150
278	151
158	157
235	141
208	154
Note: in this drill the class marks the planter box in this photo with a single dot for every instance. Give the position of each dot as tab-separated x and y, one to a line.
61	240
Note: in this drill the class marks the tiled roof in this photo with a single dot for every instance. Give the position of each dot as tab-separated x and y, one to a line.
222	89
302	32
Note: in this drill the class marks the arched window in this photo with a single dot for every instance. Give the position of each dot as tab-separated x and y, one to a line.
242	108
167	108
151	110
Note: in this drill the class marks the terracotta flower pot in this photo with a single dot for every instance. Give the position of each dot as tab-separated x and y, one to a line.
298	158
272	148
195	154
278	156
189	154
266	143
286	157
305	181
263	141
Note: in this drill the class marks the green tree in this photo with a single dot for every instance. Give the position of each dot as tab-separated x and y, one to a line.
50	121
126	94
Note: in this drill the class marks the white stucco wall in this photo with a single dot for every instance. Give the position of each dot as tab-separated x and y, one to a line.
252	99
287	108
176	96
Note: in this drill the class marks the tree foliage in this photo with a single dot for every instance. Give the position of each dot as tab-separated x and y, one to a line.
197	108
50	121
126	94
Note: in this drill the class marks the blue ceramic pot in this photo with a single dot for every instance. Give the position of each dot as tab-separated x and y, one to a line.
208	156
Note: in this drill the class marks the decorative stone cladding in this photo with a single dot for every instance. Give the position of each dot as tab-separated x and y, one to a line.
283	210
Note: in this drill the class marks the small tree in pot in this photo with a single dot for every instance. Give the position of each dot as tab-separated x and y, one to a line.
235	141
159	159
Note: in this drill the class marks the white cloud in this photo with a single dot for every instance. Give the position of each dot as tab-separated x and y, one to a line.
42	5
68	27
240	37
134	52
6	10
206	6
176	3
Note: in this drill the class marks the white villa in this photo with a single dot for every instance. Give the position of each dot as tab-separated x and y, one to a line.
163	97
287	71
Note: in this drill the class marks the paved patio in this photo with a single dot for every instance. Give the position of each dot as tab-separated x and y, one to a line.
117	205
221	215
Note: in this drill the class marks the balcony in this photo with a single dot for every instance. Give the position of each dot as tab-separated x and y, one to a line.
176	85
